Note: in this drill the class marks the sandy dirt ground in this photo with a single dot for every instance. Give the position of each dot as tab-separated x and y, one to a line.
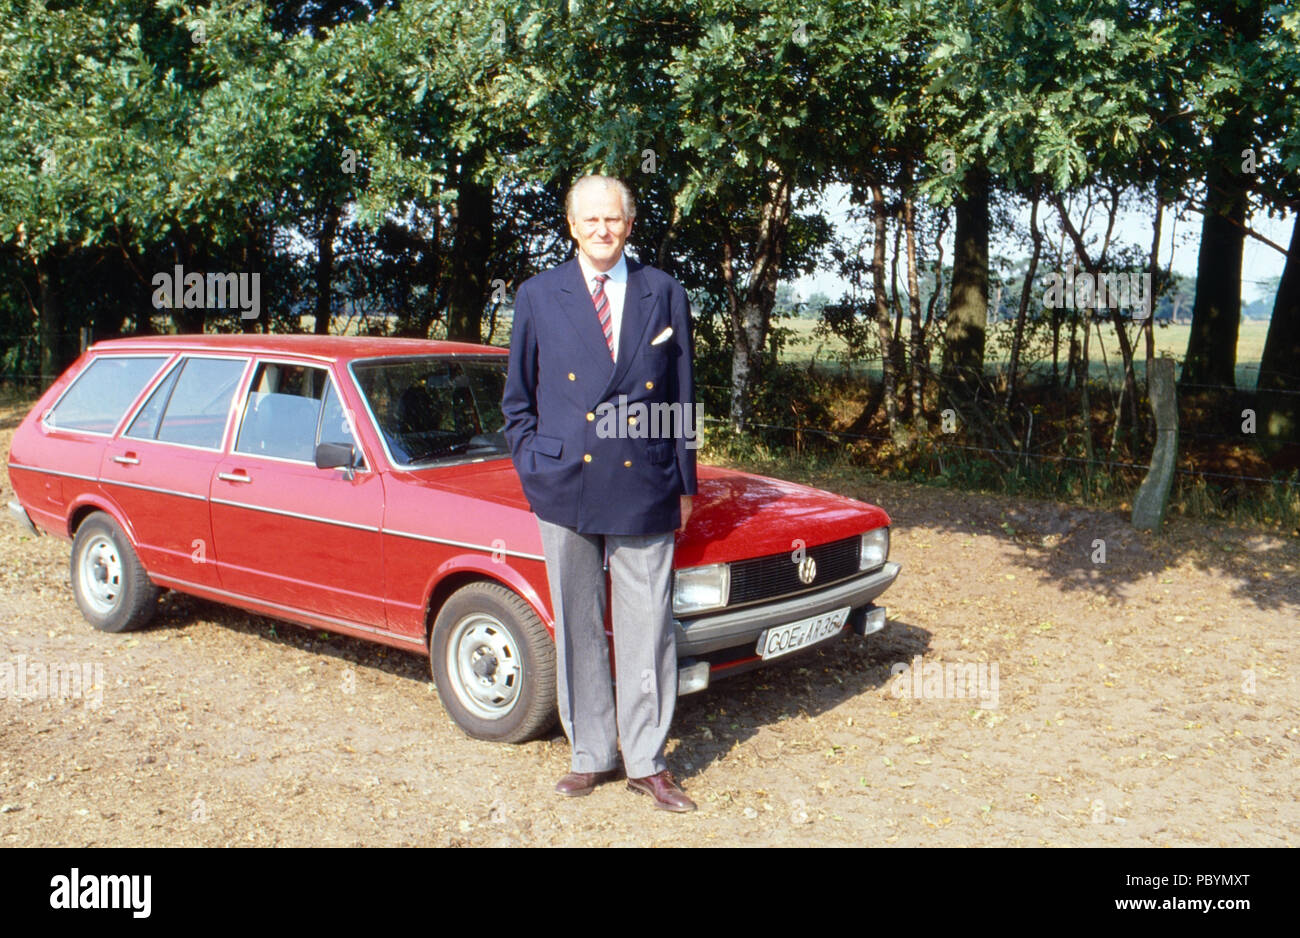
1148	700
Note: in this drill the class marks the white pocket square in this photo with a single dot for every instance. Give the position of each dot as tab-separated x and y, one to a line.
662	337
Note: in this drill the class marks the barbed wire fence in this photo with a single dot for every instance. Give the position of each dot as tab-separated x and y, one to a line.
1026	454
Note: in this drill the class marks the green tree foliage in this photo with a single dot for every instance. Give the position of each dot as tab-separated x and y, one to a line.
400	166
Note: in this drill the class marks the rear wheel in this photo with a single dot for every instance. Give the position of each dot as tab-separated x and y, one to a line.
111	586
494	664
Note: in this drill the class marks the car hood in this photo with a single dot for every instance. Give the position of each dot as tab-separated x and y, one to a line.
734	514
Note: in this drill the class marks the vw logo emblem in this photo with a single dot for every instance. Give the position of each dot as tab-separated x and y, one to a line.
808	570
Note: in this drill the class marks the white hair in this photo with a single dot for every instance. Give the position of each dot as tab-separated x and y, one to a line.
605	182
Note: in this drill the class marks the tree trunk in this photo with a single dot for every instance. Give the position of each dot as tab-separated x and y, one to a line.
1085	403
900	356
325	268
1149	326
1072	354
940	230
50	329
750	321
1279	368
1023	311
471	253
883	319
1216	313
963	357
188	319
916	339
1056	348
670	235
253	264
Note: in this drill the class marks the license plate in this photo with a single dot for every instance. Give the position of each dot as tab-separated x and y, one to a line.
784	639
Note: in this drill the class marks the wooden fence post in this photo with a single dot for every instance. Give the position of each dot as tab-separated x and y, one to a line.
1153	495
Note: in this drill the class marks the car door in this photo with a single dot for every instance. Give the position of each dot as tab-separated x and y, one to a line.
160	468
287	533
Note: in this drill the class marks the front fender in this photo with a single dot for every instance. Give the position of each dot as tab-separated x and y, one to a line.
503	571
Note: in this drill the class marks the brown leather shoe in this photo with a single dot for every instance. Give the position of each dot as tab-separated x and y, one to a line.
581	783
664	790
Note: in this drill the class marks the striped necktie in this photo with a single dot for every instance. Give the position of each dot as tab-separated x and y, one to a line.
602	311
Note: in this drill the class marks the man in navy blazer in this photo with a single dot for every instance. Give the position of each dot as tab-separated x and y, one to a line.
602	425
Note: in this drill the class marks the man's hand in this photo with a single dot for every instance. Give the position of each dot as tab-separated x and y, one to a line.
686	510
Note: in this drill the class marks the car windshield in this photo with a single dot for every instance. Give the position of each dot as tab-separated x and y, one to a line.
436	409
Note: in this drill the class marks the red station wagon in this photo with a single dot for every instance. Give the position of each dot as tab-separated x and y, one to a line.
364	486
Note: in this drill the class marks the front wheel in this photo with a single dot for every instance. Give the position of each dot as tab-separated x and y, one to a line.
494	664
111	586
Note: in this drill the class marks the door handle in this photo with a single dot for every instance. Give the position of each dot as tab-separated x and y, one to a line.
128	460
233	477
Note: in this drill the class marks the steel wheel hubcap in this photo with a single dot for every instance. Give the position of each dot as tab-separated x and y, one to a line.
484	666
101	574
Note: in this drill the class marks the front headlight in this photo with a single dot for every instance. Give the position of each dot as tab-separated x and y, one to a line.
875	549
698	588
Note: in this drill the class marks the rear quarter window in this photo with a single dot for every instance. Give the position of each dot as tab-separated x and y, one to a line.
101	394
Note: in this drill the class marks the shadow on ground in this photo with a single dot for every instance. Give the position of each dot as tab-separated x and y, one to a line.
706	725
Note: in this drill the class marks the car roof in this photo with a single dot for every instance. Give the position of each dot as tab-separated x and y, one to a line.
329	347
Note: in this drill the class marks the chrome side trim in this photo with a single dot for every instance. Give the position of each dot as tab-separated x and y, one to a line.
53	472
294	514
153	488
446	540
253	600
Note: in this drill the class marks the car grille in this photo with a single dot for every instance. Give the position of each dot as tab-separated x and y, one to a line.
777	575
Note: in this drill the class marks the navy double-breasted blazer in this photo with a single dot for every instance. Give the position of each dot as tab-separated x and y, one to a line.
587	456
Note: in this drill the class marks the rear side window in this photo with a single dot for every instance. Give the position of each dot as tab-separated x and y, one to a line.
101	394
191	404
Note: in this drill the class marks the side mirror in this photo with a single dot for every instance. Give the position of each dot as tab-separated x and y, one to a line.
336	456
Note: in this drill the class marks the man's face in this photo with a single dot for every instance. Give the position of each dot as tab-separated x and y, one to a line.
599	225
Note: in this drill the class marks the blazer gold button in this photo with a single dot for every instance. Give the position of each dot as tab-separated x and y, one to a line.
649	385
586	457
591	416
571	377
627	462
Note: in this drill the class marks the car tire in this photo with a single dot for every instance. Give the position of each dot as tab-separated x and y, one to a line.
108	580
493	663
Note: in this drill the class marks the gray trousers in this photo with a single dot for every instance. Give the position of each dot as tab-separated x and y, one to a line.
645	646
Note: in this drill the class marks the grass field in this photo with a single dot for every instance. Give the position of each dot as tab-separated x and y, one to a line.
1170	340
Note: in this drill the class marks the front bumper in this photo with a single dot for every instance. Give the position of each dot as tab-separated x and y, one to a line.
709	633
19	514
